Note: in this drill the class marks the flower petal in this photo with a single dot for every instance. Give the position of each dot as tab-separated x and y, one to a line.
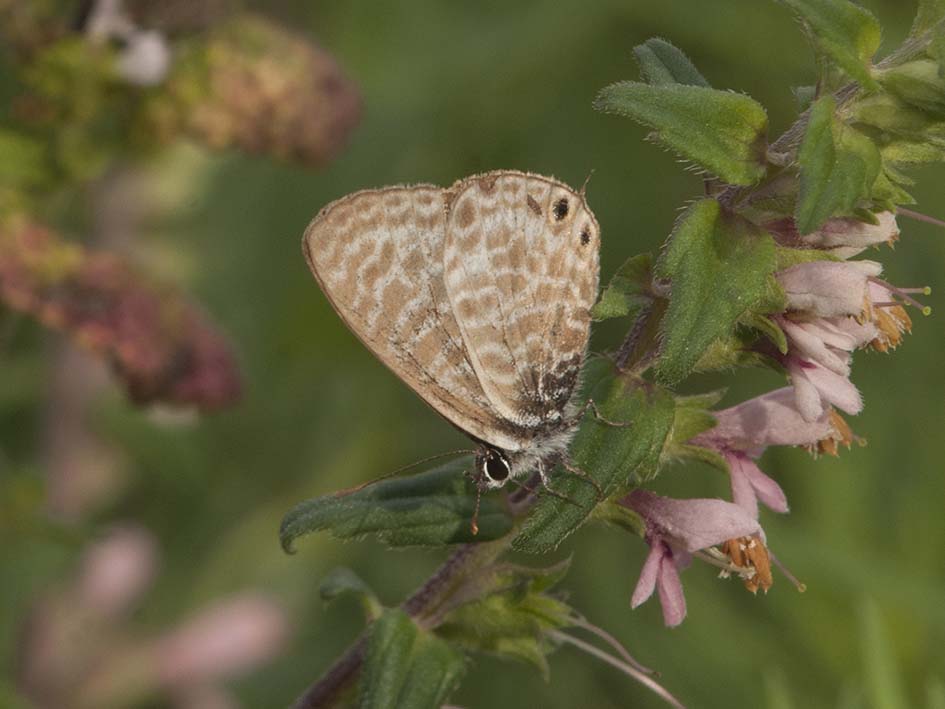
766	489
692	524
772	419
743	493
827	288
672	599
648	574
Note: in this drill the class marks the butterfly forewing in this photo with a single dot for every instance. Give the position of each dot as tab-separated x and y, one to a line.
378	256
521	270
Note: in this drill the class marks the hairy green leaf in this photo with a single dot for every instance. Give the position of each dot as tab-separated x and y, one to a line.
839	166
720	266
663	63
406	667
614	456
429	509
722	131
846	33
628	291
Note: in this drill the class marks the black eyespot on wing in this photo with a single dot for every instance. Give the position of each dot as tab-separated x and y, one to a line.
585	236
560	209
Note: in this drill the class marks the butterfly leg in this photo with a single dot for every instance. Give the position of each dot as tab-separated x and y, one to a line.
582	474
543	478
591	405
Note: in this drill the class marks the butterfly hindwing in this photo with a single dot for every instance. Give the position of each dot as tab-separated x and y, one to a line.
521	272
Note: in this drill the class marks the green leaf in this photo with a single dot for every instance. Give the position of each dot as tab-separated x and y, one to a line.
662	63
844	32
429	509
918	83
613	456
930	13
510	615
344	582
406	667
839	166
720	266
628	291
723	131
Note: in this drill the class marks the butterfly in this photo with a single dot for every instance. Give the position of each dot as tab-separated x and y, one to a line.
478	296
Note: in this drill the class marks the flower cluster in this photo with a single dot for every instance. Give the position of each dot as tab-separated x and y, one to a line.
834	306
161	346
262	89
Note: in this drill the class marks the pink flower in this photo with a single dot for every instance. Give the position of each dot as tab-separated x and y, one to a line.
845	237
816	388
842	238
744	431
675	529
828	288
226	639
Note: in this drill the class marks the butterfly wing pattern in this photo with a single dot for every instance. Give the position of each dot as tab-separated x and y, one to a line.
477	296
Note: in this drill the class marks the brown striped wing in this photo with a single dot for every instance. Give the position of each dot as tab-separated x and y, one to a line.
378	256
521	272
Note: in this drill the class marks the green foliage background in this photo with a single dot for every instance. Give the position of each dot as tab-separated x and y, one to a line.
452	89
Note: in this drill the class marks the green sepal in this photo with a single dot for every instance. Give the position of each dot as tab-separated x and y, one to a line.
930	13
629	290
720	266
692	416
406	667
839	166
663	63
919	84
843	32
429	509
510	615
722	131
611	512
614	456
341	582
767	327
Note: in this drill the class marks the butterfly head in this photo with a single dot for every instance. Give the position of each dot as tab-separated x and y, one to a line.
493	467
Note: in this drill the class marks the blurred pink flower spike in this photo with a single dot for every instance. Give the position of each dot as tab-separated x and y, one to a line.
161	345
229	638
674	529
117	570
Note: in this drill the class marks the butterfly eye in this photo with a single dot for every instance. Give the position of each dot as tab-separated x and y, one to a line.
560	209
585	235
495	468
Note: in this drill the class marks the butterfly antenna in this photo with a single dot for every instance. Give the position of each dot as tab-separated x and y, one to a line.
402	469
586	180
474	525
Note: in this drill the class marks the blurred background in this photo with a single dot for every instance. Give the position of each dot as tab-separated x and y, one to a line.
181	510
